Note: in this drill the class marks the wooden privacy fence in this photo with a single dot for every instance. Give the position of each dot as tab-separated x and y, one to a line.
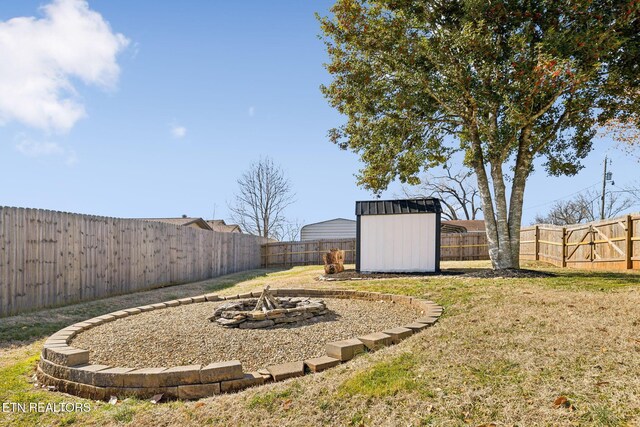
52	258
308	252
464	246
454	246
612	244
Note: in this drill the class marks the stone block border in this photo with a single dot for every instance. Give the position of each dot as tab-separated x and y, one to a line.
68	369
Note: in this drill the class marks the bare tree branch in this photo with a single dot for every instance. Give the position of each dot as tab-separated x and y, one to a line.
263	194
585	207
632	191
457	192
288	231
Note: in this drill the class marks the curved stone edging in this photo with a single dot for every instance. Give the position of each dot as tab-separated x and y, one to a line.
68	368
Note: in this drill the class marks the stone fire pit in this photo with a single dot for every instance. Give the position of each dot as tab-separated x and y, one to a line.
267	311
135	352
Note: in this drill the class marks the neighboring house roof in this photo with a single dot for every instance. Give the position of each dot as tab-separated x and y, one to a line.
220	225
184	221
468	224
450	228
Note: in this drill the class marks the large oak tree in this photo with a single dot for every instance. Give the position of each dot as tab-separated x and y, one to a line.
504	81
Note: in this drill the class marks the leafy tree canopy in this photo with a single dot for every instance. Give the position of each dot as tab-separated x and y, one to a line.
503	81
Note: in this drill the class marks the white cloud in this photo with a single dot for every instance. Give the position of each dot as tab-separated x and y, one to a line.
178	132
31	148
252	111
42	55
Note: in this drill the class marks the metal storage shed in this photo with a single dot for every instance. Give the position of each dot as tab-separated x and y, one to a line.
399	236
339	228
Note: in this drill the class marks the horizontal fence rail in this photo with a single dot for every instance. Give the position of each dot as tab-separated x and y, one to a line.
308	252
464	246
612	244
52	258
454	247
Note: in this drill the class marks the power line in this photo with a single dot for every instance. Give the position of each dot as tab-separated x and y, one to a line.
561	198
630	190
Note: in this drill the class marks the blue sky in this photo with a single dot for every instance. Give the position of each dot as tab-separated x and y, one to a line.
178	99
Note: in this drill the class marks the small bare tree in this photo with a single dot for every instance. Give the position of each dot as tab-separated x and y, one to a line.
585	207
563	213
457	191
288	231
615	204
632	190
263	194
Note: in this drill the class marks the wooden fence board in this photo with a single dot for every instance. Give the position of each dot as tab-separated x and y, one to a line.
599	245
52	258
463	246
454	246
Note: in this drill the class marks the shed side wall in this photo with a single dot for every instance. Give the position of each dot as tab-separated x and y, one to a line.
398	243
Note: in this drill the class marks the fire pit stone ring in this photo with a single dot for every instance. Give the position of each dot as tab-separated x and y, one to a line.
267	311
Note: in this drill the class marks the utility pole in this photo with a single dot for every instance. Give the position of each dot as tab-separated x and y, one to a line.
604	187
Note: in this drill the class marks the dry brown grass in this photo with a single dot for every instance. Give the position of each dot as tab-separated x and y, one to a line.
502	353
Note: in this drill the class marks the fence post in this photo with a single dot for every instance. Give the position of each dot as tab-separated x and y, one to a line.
629	253
537	243
592	244
266	254
564	247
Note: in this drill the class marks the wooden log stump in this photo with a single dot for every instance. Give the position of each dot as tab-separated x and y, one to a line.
333	261
333	268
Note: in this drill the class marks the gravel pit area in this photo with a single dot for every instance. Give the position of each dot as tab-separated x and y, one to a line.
183	335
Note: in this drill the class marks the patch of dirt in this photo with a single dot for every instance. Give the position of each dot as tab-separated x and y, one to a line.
484	273
354	275
508	273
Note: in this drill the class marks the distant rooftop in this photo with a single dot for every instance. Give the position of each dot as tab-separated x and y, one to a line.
220	225
184	221
213	224
469	224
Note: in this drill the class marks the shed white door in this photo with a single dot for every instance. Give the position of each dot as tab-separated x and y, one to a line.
398	243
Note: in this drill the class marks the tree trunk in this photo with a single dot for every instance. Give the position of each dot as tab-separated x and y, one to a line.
522	171
503	230
499	239
496	225
502	223
489	216
505	253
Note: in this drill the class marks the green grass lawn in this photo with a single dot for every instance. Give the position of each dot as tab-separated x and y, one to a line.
502	353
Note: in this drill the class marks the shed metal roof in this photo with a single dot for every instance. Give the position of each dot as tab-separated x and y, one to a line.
402	206
330	220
